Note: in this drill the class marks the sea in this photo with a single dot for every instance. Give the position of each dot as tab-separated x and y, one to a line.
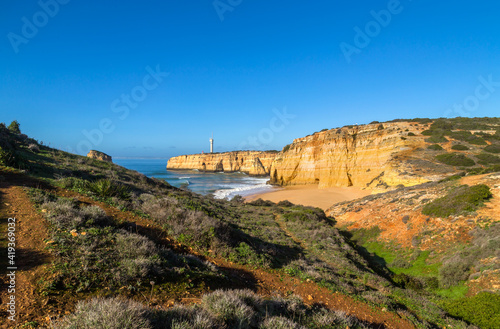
221	185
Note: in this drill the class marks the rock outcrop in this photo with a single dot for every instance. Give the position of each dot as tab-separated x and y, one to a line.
250	162
93	154
362	156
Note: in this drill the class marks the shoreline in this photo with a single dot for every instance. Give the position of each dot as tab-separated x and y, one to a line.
311	195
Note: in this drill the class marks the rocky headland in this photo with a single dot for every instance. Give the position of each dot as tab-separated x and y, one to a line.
255	163
93	154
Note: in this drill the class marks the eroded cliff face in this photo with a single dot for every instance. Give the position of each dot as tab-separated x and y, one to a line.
99	156
362	156
250	162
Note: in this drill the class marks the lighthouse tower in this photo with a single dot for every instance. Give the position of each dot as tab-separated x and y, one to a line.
212	144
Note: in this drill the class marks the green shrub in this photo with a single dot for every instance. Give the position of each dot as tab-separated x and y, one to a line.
482	310
286	148
459	147
380	127
435	147
427	132
492	148
262	203
15	127
455	159
411	134
453	177
285	203
244	254
407	281
481	171
11	157
443	124
458	200
106	188
436	139
487	158
468	137
476	140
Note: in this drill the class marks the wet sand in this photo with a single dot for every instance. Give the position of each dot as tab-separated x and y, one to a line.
311	195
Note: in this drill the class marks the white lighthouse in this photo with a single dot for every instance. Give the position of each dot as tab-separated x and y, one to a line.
212	144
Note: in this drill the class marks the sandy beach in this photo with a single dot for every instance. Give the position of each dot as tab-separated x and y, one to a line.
311	195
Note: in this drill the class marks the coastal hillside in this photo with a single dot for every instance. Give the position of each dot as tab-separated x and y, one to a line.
251	162
101	246
382	155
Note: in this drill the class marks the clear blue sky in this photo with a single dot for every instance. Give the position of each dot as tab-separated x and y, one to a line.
231	76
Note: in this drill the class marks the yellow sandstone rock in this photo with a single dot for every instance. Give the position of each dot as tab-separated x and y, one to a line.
360	156
250	162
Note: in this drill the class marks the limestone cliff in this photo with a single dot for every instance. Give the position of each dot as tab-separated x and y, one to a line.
99	156
363	156
250	162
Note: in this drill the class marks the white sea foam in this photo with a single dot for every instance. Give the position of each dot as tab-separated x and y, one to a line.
243	190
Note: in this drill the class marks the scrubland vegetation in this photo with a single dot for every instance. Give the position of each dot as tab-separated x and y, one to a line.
97	255
219	309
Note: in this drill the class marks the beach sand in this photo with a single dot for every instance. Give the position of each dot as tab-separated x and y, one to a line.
311	195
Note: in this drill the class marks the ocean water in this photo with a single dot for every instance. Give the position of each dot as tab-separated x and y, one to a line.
222	185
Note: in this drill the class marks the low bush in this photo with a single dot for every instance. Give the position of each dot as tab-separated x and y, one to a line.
468	137
494	148
459	147
436	139
14	127
435	147
102	188
285	203
407	281
111	313
458	200
482	310
457	267
487	158
262	203
106	188
238	309
486	170
455	159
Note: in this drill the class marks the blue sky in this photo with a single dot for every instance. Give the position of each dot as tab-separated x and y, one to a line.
255	73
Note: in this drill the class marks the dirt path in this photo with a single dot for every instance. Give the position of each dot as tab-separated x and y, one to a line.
30	256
